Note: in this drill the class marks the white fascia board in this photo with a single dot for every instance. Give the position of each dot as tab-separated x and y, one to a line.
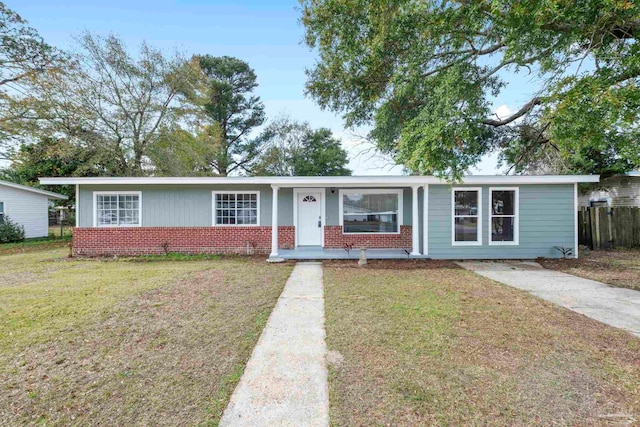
49	194
331	181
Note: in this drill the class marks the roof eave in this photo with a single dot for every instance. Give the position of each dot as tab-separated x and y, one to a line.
49	194
326	181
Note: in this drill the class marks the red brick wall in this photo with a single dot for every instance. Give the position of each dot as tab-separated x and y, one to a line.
151	240
333	238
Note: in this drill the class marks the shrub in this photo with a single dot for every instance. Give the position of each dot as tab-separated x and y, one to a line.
10	231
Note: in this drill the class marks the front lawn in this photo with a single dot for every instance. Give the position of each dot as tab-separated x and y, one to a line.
620	267
104	342
38	244
443	346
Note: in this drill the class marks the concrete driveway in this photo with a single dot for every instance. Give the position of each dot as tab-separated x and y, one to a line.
614	306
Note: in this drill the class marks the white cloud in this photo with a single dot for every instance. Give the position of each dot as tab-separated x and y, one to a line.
503	111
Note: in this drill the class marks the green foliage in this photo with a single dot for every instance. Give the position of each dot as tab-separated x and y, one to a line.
10	232
53	157
107	100
24	56
321	155
223	94
178	152
295	149
424	74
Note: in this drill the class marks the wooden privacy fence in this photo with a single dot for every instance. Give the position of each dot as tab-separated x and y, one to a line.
606	228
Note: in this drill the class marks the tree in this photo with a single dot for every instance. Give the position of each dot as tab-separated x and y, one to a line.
23	56
179	152
224	96
54	157
321	155
295	149
108	100
424	73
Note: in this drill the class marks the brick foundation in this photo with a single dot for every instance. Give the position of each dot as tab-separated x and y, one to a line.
333	238
191	240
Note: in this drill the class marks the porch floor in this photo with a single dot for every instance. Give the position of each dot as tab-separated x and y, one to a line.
318	252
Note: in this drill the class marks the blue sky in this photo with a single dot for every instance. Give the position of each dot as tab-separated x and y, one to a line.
266	34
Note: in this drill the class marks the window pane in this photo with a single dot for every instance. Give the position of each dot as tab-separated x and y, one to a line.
118	209
502	229
466	229
466	203
1	207
374	223
107	217
236	209
370	203
503	202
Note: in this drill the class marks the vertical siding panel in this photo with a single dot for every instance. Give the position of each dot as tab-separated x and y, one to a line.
27	209
546	220
183	205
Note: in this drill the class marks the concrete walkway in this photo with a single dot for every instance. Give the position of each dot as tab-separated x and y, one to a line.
614	306
285	381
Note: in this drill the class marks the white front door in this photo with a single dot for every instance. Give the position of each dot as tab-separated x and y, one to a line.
309	227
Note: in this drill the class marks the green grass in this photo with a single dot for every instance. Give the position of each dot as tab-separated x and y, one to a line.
124	342
37	244
62	291
446	347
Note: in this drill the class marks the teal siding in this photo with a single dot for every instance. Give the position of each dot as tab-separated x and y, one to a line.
546	214
546	220
186	206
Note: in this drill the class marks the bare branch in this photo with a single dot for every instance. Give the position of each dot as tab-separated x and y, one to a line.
526	108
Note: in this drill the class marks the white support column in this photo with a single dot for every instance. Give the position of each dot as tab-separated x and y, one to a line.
274	223
575	220
77	212
425	220
415	223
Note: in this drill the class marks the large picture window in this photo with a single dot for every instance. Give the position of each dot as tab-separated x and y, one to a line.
467	218
119	209
231	208
503	216
370	211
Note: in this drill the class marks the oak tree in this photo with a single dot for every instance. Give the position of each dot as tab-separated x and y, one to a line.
424	74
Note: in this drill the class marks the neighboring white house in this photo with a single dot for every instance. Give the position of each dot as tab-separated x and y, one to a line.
27	206
619	190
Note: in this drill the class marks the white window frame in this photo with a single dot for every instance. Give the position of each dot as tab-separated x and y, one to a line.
397	191
478	241
215	217
116	193
3	212
516	216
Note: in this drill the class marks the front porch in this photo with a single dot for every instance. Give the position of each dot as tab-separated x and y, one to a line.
318	252
390	221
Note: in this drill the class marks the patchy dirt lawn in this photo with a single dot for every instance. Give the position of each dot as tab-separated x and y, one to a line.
95	342
619	268
443	346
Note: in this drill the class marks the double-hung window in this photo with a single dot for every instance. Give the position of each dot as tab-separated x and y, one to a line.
370	211
467	216
503	216
236	208
1	212
117	209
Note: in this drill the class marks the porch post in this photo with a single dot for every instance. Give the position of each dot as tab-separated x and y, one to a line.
415	223
274	223
425	220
